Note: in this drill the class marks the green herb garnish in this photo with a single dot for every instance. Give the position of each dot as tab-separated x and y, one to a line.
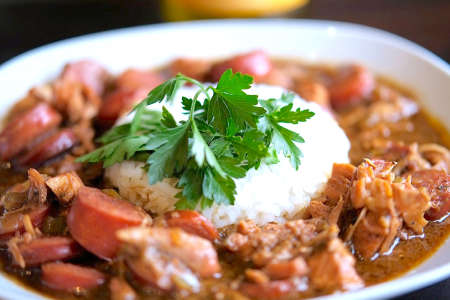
225	135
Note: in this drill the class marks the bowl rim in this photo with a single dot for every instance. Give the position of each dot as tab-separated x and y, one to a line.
380	34
390	288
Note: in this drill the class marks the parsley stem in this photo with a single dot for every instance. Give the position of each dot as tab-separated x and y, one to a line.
197	83
194	101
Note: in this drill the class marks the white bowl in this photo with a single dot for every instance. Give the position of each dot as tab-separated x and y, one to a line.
315	41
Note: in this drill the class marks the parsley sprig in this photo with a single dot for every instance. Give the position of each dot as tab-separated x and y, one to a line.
224	136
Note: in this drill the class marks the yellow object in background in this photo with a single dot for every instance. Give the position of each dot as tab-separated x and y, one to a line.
178	10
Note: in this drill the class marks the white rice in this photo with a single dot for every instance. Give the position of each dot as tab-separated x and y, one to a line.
271	193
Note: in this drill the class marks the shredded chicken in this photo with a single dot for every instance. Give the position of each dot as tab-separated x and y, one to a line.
65	186
388	204
37	186
165	257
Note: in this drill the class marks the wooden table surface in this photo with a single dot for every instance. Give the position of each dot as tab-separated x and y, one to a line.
28	24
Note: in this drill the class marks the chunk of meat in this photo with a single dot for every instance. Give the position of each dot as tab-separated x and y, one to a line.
374	193
70	278
373	186
26	127
164	257
438	156
87	72
268	290
50	147
75	101
278	77
256	64
437	183
334	268
286	269
37	192
318	209
117	103
313	91
162	272
275	242
47	249
65	186
391	112
95	217
192	222
121	290
13	221
340	181
194	68
176	243
369	235
411	203
134	79
350	85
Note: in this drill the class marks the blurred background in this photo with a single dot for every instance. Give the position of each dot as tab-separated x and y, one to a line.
26	24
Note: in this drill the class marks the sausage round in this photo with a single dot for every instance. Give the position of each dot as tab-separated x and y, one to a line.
48	249
117	103
24	128
437	183
69	277
50	147
350	86
91	74
133	79
192	222
255	63
132	86
95	217
194	68
13	222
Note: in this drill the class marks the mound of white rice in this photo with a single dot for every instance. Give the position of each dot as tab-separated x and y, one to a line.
270	193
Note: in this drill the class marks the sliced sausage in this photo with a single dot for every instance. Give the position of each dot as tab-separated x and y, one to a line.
192	222
91	74
69	277
24	128
437	183
134	79
268	290
350	86
13	222
118	102
50	147
48	249
95	217
255	63
132	86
